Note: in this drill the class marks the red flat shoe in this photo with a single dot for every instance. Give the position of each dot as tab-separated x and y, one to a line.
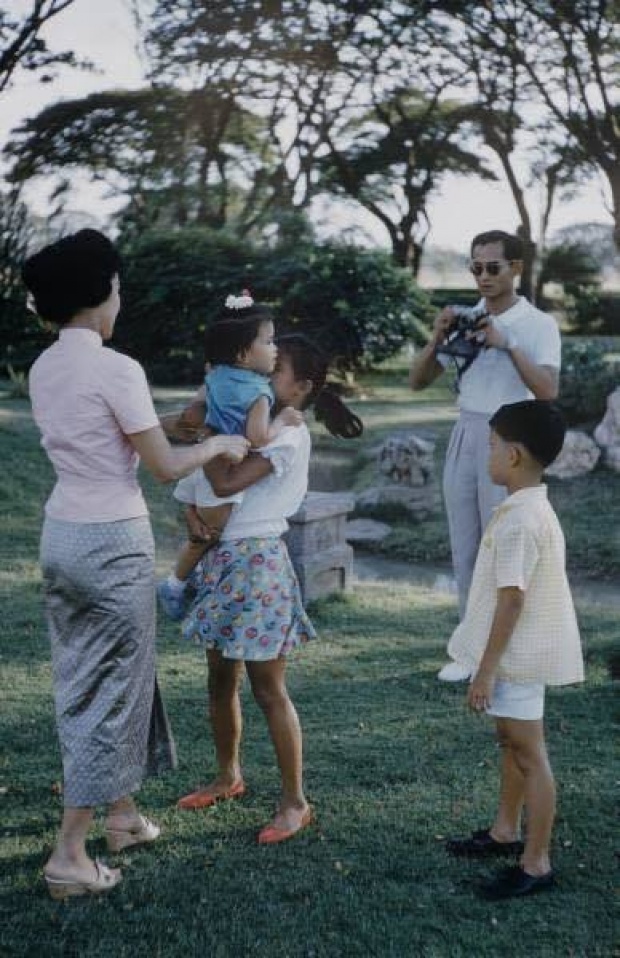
205	799
271	834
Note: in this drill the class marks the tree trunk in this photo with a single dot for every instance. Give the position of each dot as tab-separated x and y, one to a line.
407	253
524	230
614	182
526	284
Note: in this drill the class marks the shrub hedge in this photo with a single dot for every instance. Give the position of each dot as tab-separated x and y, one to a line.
586	379
356	303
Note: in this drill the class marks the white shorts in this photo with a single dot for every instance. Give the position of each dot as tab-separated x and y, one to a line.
517	700
196	490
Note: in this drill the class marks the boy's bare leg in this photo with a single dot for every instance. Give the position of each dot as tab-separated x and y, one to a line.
526	740
507	822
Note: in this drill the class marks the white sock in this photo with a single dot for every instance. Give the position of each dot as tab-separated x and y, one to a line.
177	585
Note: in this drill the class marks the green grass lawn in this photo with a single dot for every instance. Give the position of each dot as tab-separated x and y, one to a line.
393	764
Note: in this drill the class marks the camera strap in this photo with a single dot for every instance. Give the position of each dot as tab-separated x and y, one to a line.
461	365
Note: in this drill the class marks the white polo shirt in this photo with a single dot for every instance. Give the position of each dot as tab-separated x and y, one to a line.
493	379
523	546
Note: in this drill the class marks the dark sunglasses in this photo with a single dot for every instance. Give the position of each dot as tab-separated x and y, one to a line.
492	268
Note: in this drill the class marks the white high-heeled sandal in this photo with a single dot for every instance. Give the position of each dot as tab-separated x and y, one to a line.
143	832
106	880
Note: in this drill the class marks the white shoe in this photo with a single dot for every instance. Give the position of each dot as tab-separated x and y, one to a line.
454	672
143	832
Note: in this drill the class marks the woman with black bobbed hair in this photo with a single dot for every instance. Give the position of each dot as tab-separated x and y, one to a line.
97	420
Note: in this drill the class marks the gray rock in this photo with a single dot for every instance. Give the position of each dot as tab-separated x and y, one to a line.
579	456
366	531
407	459
419	502
405	475
607	433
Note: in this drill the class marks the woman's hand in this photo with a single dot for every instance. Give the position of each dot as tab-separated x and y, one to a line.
168	464
232	448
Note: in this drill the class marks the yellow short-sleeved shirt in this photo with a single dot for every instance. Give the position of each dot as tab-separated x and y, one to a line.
523	546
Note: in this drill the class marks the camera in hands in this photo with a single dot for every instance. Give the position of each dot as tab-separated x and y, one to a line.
465	337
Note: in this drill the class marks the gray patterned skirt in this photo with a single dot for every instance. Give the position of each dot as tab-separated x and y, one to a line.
100	608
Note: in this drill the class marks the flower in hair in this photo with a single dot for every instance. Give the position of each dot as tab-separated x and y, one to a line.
30	303
239	302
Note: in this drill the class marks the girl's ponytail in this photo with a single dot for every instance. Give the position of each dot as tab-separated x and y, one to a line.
310	362
335	415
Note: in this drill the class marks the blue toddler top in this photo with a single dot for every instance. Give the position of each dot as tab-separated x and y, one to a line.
231	393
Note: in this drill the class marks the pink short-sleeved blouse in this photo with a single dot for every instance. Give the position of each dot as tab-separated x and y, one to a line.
86	400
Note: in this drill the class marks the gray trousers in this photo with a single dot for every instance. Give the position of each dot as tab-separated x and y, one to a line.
469	494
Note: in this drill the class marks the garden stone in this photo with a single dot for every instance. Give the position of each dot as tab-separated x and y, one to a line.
579	456
366	531
607	433
419	502
316	541
405	475
407	459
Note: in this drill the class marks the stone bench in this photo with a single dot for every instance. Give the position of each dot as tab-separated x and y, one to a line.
321	556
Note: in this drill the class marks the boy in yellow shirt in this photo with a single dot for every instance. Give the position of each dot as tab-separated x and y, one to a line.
518	635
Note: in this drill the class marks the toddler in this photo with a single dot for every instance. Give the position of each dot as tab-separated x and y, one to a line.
241	355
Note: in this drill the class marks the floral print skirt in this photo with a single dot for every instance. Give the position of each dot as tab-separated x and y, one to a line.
248	604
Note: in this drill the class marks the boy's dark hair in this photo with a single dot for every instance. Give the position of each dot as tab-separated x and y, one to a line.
535	424
512	245
70	275
310	362
233	333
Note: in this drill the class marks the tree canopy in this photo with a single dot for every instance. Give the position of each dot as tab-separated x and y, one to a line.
21	44
253	109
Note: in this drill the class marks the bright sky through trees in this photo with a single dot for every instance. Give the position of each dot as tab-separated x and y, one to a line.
105	34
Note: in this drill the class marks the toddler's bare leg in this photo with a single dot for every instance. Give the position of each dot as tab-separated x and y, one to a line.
213	519
204	526
190	554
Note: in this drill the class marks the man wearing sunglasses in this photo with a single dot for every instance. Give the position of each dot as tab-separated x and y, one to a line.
520	359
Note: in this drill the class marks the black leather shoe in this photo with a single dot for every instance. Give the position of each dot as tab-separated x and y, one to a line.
481	844
515	883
